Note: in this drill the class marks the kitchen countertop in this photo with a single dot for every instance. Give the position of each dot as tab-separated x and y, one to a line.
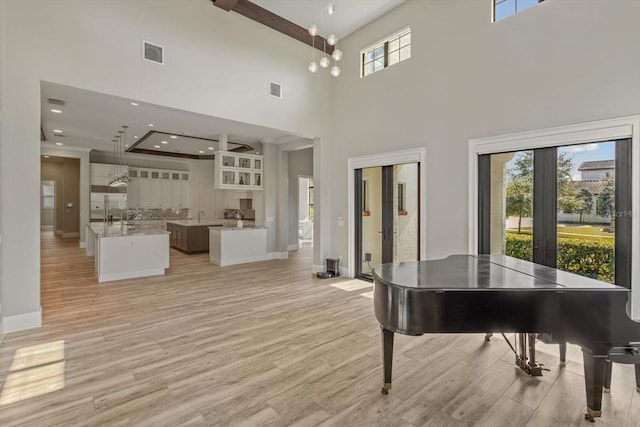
114	230
246	227
195	222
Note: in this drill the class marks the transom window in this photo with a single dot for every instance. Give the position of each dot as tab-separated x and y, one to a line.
504	8
393	49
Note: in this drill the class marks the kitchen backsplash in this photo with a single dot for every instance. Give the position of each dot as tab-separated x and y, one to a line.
153	214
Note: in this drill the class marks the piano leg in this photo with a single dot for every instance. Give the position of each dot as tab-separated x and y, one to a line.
637	366
387	358
563	354
608	367
594	370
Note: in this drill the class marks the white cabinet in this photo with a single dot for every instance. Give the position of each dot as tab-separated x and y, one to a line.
156	188
238	171
180	189
102	174
144	198
160	182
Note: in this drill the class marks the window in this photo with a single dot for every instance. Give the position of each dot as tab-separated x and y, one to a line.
566	207
401	202
504	8
48	195
390	51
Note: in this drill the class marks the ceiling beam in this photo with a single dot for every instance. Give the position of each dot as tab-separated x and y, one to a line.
276	22
225	4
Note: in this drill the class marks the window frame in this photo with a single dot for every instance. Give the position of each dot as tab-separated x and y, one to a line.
602	130
384	43
494	4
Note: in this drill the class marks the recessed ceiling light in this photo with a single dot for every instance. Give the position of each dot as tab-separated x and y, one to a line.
47	157
135	104
210	148
156	146
201	152
57	131
126	145
53	110
164	142
174	137
59	143
135	136
150	124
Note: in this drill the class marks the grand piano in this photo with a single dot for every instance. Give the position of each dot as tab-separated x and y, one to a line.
500	294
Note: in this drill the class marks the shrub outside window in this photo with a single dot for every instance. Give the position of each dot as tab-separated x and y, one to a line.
393	49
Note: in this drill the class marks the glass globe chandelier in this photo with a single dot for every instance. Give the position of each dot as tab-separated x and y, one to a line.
332	40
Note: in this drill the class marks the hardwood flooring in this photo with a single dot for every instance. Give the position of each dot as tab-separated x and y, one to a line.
263	344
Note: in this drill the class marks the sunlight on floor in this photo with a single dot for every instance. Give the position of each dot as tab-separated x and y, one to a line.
352	285
35	370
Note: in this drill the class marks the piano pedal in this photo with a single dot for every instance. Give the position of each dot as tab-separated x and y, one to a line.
589	418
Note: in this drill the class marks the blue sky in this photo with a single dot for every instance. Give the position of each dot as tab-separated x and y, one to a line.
587	153
583	153
508	7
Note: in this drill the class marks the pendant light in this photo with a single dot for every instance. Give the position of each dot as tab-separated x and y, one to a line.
332	40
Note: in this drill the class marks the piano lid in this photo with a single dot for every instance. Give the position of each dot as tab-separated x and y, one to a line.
484	272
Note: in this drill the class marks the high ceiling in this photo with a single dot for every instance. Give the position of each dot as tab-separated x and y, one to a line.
348	17
92	120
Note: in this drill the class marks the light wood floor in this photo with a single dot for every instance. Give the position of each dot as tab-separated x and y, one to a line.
264	344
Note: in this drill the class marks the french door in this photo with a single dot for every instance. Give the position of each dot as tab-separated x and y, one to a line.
567	207
386	216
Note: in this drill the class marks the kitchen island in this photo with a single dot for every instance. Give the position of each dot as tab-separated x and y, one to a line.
123	253
232	245
190	235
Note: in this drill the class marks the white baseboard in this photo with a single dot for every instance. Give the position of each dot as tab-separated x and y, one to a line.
74	234
20	322
1	330
91	253
57	232
278	255
293	247
83	244
46	227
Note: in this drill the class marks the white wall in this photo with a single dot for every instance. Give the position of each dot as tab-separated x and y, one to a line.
557	63
217	63
2	202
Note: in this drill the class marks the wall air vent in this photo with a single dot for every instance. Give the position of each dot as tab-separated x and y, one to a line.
152	52
275	90
54	101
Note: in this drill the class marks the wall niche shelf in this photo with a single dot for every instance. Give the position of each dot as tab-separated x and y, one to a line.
238	171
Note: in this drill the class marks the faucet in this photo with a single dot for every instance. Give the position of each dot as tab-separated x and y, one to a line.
201	212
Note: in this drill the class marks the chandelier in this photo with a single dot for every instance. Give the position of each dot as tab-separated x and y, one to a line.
119	171
324	62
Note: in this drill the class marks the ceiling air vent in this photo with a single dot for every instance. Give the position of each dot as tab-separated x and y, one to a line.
54	101
275	90
152	52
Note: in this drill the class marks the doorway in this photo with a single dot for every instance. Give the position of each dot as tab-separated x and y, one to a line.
387	213
47	205
566	207
305	212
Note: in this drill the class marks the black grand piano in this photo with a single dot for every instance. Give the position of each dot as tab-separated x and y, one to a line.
500	294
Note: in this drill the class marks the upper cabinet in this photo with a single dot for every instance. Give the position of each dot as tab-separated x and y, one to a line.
102	174
238	171
157	188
